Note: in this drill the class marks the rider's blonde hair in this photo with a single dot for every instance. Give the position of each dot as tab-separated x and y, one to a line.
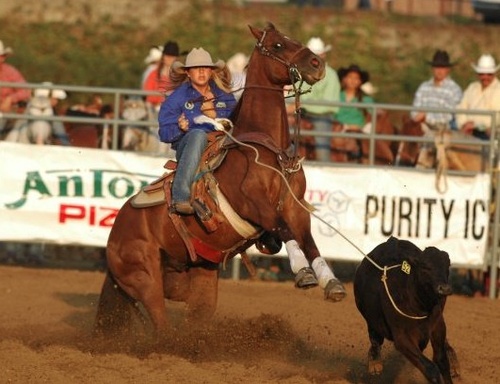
221	77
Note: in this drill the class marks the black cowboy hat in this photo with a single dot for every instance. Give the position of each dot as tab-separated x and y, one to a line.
364	75
441	59
171	48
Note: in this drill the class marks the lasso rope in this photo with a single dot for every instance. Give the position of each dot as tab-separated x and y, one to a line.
383	269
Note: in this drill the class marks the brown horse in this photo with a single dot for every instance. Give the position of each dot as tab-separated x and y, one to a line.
384	150
148	255
354	150
454	156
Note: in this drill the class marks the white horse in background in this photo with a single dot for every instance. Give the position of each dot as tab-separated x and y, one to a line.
32	131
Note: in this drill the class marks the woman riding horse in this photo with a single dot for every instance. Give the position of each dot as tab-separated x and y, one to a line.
259	188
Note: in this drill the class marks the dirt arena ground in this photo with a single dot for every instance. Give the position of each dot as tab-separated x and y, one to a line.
263	332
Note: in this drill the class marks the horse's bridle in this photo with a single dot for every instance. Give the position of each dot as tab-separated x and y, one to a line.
293	71
295	78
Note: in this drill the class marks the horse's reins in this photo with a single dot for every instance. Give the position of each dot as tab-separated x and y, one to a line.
295	77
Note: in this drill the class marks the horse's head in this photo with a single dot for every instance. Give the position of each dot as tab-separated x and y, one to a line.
286	61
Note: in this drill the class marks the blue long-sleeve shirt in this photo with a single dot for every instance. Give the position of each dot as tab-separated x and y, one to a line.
186	99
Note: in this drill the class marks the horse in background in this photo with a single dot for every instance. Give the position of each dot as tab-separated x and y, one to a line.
33	131
353	150
135	137
141	138
443	152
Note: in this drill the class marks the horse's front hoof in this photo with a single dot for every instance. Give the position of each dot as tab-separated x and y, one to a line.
334	290
305	278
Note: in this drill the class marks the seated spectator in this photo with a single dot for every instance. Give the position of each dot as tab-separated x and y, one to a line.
483	94
351	80
326	90
10	98
86	134
43	102
151	61
58	130
159	78
351	119
441	91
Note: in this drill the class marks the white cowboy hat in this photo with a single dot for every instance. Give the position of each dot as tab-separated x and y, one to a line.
237	62
5	50
42	92
486	64
198	57
368	88
154	55
47	92
59	94
317	46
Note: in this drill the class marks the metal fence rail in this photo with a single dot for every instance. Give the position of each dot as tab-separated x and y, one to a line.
492	145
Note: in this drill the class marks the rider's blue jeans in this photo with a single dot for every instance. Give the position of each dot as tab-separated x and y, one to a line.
188	154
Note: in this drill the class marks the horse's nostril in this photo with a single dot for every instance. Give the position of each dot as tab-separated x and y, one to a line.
315	63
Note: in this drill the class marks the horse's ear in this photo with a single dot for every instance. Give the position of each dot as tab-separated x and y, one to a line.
270	26
256	32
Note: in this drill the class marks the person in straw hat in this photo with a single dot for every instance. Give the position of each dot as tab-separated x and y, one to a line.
327	89
10	97
440	91
201	87
483	94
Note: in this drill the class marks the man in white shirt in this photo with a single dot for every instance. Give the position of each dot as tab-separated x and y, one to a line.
481	95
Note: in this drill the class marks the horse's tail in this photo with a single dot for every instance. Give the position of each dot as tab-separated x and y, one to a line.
116	310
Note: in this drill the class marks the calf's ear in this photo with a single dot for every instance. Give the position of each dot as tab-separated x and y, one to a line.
413	259
437	253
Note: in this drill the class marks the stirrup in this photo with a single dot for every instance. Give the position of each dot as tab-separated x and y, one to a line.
306	278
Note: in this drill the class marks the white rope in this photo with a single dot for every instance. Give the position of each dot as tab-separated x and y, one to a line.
384	269
384	280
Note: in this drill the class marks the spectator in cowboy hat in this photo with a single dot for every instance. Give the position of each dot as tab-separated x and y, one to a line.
351	80
203	89
483	94
10	97
327	89
440	91
151	61
159	78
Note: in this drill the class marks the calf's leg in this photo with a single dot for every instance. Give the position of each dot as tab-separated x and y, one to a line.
375	365
413	353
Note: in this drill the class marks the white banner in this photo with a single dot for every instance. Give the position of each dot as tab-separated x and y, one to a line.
69	195
366	206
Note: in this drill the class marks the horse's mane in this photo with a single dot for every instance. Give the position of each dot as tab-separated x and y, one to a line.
234	114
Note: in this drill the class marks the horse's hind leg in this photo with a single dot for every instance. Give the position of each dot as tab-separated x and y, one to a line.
202	300
114	311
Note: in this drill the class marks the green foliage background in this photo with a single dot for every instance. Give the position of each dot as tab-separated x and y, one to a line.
110	53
